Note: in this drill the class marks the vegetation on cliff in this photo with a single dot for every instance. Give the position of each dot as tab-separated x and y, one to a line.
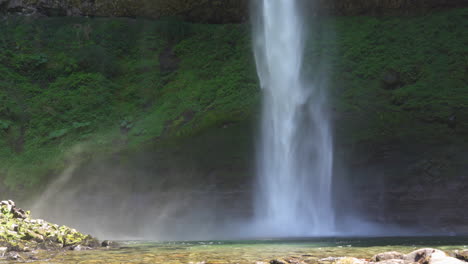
111	84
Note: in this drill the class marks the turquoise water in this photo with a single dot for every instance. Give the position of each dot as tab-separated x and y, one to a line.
248	251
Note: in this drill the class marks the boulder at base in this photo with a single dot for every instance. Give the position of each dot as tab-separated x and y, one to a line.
420	256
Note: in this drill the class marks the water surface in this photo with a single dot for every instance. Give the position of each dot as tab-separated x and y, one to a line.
243	252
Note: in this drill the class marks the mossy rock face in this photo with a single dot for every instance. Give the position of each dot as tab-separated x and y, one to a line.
18	232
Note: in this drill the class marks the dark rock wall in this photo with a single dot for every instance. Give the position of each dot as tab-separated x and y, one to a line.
205	11
376	7
419	187
211	11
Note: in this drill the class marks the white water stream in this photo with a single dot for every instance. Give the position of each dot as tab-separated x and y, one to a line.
294	195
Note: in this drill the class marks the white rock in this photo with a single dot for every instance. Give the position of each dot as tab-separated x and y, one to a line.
392	261
331	259
387	256
3	250
442	258
351	261
433	256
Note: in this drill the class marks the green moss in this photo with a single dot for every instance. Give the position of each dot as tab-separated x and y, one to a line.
98	83
22	233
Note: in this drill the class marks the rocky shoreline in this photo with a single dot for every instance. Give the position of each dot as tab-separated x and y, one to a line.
22	238
420	256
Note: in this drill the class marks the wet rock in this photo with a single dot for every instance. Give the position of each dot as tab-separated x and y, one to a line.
387	256
109	244
79	248
462	255
277	261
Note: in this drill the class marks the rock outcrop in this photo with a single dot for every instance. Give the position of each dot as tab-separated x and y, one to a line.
462	255
20	233
420	256
392	255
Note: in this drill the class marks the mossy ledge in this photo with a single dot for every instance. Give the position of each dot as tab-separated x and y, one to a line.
21	237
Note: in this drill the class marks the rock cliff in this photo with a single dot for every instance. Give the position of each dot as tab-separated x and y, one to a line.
209	11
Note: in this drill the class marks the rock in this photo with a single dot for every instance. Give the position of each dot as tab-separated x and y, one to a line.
421	255
3	250
13	256
294	260
76	248
431	256
79	248
330	259
462	255
277	261
351	261
6	206
394	261
109	244
31	235
10	202
50	244
19	213
21	234
442	258
20	246
387	256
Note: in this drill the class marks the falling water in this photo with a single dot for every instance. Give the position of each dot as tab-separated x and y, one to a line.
295	154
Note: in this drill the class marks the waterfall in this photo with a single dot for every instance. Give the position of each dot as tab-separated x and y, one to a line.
295	153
